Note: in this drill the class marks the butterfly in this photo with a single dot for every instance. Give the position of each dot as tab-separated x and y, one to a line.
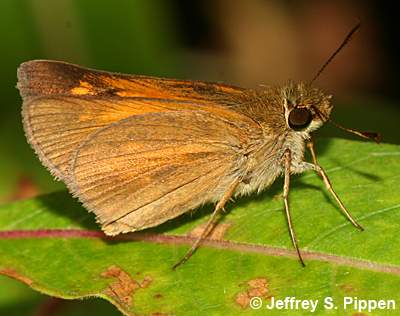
138	151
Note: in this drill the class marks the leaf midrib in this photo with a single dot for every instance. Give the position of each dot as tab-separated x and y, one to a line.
218	244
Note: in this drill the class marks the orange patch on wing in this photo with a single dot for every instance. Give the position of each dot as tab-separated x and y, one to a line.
124	87
126	93
149	88
83	89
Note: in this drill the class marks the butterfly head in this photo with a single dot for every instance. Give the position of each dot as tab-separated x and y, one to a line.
305	108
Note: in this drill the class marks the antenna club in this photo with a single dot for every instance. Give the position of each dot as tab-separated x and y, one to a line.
377	137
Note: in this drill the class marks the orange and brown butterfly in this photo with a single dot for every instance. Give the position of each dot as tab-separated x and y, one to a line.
138	151
135	150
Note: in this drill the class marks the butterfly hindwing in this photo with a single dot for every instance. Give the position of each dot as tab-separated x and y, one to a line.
150	168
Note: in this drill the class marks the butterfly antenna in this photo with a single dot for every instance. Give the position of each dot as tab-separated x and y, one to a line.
344	43
368	135
376	137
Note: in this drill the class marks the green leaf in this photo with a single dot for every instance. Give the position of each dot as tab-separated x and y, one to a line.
52	244
16	299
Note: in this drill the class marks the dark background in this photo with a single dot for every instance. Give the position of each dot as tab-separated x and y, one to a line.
246	43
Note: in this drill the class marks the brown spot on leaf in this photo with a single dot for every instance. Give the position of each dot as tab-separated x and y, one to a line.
255	287
243	300
158	314
124	287
16	275
146	282
158	295
217	233
347	288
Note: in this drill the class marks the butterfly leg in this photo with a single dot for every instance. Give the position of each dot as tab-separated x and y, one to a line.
211	222
287	156
328	185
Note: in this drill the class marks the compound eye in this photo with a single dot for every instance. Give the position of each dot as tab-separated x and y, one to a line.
299	118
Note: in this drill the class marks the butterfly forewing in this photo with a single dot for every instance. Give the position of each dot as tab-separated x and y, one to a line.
64	104
135	150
